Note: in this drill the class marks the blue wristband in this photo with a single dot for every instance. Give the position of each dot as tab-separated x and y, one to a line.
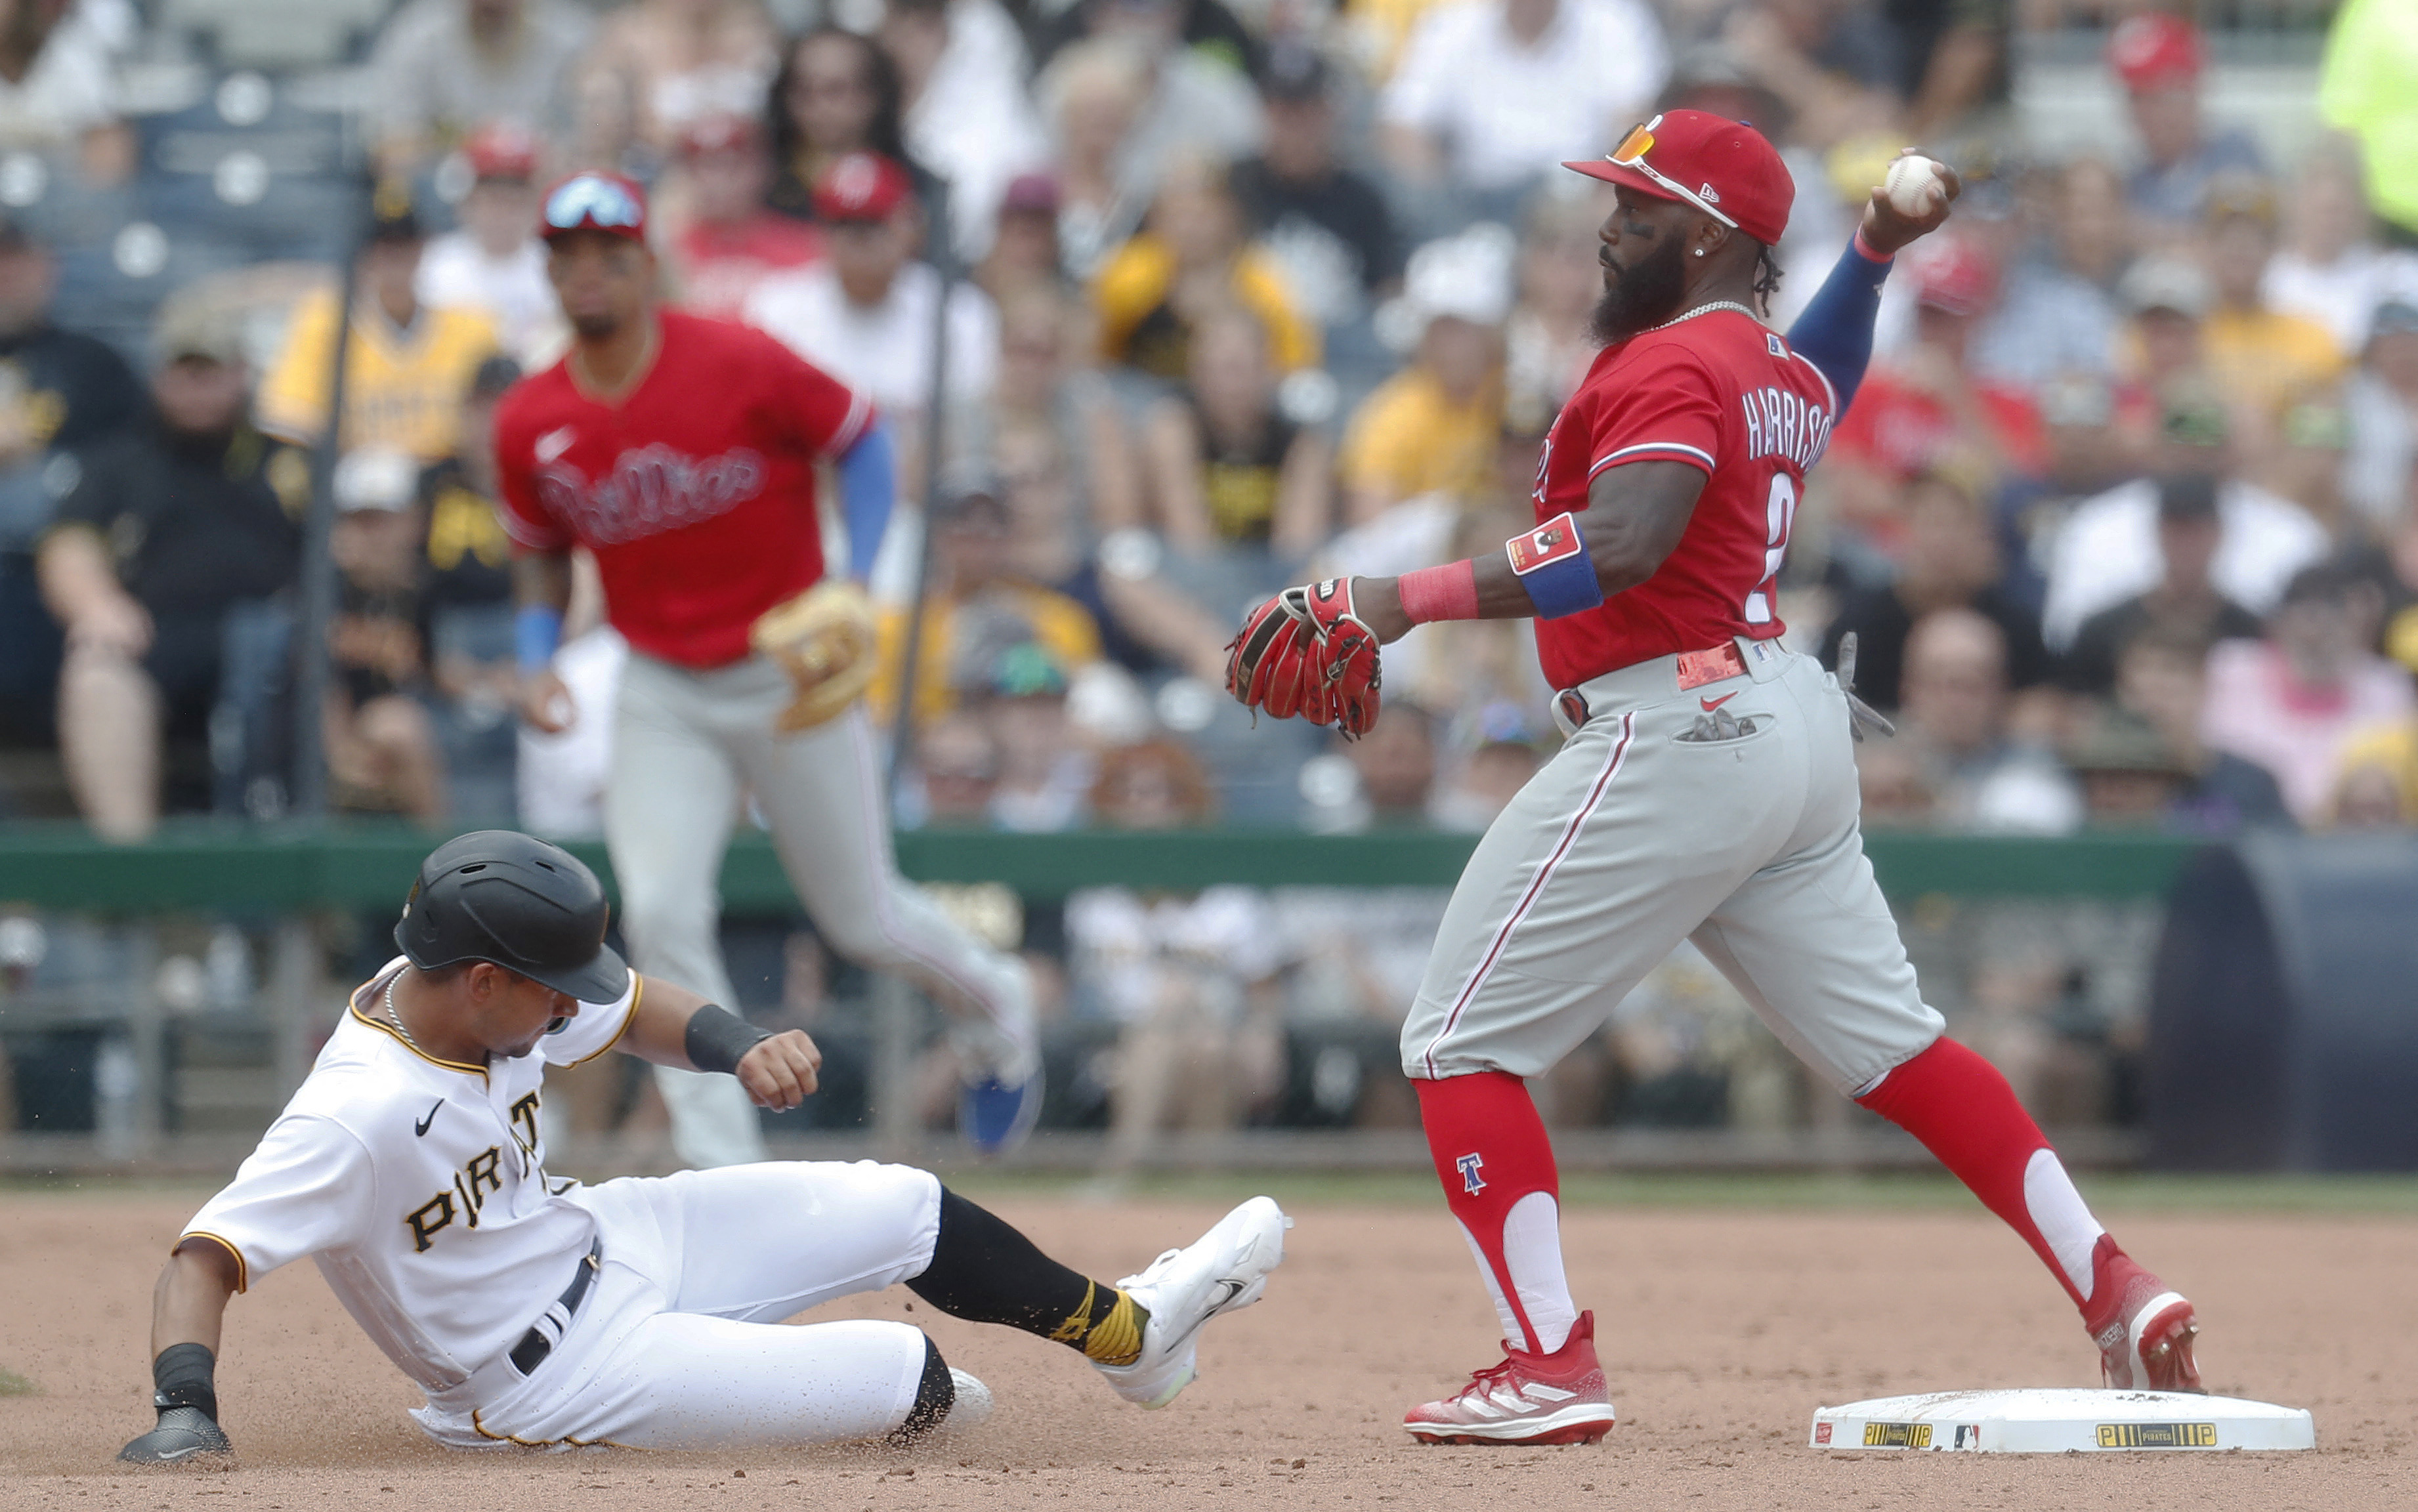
537	630
1551	563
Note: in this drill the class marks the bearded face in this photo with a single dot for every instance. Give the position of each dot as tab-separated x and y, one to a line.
1641	296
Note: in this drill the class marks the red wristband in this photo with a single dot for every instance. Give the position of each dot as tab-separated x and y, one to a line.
1447	592
1865	249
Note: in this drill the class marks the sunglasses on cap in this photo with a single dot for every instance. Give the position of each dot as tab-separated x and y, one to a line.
1631	154
589	201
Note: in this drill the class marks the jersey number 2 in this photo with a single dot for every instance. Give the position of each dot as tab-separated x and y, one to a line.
1782	517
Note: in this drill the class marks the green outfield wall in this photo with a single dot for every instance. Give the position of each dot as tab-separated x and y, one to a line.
285	870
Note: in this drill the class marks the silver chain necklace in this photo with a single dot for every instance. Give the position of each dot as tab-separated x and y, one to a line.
1706	310
396	1019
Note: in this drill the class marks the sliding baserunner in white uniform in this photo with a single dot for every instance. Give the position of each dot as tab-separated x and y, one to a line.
645	1311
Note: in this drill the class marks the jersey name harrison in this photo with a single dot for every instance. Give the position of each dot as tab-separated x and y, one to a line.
648	490
1781	424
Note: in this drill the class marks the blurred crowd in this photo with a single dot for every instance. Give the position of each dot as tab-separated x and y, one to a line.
1176	302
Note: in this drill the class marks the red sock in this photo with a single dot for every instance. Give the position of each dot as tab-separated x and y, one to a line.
1962	1110
1490	1152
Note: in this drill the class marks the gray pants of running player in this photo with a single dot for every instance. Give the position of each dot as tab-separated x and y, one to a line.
1636	836
686	746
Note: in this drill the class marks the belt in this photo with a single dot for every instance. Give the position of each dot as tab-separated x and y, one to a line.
1693	670
1696	668
536	1344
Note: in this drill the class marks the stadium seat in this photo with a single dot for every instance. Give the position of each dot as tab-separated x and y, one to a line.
250	170
291	34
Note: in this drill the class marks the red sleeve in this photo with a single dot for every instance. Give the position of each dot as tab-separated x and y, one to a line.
526	520
1857	435
2021	431
1669	410
825	415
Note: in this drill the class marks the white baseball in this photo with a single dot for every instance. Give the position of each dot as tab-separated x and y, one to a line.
1910	185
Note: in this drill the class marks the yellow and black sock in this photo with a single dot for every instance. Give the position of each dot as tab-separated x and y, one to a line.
1107	1327
984	1270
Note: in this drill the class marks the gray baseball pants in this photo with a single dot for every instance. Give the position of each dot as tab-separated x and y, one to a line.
1635	836
687	745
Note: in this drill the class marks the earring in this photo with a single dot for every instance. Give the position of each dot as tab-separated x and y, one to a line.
1700	252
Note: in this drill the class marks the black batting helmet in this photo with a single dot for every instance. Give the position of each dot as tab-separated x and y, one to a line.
502	896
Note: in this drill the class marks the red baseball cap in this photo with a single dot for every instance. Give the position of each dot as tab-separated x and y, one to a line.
2155	50
501	149
594	201
1953	273
719	134
861	186
1723	167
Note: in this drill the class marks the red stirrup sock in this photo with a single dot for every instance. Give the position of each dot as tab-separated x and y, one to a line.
1963	1112
1497	1168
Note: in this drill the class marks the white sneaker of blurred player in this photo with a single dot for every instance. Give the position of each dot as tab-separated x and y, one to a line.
1224	1269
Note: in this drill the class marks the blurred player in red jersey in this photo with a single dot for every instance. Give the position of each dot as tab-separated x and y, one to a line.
682	451
1708	787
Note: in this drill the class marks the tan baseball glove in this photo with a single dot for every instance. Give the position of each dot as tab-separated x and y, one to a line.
824	639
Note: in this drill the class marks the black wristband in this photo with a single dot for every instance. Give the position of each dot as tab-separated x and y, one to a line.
182	1376
716	1038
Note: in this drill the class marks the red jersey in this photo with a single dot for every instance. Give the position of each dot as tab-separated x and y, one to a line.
1900	429
696	490
720	266
1719	392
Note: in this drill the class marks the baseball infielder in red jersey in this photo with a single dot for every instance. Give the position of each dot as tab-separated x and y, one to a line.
682	451
1707	790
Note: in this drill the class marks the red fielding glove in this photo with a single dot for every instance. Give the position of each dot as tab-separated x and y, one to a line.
1304	652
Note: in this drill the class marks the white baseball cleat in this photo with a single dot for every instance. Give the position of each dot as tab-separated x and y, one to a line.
1224	1269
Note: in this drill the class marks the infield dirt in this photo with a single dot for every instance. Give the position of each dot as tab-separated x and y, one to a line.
1722	1331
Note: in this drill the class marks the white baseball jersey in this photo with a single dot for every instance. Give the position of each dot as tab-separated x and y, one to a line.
419	1185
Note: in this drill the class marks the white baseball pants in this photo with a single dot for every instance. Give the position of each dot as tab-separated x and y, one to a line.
687	744
1634	838
679	1343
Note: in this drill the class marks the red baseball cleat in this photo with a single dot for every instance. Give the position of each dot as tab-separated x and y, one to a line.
2144	1331
1529	1398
